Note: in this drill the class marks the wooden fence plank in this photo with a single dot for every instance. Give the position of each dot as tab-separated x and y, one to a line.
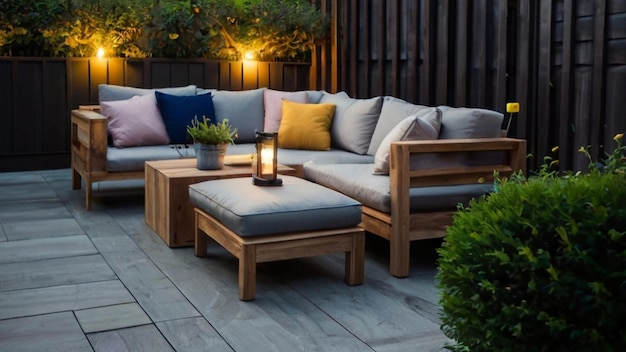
500	54
442	47
598	79
566	80
7	111
28	95
427	50
56	122
460	86
353	55
381	54
544	65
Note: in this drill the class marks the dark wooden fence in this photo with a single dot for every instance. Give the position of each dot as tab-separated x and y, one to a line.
564	61
37	95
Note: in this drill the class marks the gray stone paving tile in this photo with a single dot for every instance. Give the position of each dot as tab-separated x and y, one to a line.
153	290
45	248
111	317
48	332
140	338
32	209
54	272
192	334
36	228
20	178
3	236
22	303
37	189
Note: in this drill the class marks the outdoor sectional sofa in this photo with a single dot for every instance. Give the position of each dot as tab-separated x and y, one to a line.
408	165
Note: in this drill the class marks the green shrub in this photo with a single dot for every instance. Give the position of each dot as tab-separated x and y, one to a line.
215	29
540	264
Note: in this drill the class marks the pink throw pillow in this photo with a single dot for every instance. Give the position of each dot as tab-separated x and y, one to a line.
273	102
135	122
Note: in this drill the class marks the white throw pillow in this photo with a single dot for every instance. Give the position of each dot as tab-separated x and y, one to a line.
135	122
423	125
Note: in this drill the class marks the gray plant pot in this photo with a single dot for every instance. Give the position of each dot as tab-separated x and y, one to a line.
210	156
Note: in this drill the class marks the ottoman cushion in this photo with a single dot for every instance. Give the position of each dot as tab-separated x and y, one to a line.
298	205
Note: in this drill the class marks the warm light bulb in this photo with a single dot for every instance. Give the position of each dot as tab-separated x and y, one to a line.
249	55
267	159
100	52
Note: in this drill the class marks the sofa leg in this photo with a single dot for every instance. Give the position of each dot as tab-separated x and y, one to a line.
76	180
399	258
88	195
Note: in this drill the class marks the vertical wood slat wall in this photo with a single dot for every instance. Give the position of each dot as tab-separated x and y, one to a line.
37	95
563	60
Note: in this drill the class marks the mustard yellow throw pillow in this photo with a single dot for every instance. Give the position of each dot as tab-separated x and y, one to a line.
305	126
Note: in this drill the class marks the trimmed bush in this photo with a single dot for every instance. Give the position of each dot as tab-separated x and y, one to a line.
214	29
540	264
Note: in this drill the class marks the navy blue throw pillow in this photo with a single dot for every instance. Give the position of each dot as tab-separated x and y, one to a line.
178	111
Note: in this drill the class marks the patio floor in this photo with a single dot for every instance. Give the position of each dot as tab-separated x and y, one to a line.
72	280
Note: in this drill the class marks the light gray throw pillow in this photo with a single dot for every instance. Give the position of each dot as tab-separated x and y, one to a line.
354	121
392	112
243	109
110	92
423	125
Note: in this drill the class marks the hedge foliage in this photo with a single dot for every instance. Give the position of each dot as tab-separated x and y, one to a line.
215	29
540	264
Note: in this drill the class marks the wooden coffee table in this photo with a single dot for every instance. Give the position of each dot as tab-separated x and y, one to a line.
168	210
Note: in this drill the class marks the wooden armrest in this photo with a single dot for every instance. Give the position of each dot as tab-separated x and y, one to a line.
401	152
460	145
89	140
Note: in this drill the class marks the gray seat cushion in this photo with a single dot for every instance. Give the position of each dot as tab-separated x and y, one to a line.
300	156
333	156
133	159
358	182
298	205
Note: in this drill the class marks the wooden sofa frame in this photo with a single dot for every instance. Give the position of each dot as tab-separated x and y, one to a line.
400	227
89	152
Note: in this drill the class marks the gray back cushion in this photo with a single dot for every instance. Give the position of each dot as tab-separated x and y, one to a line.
315	95
243	109
354	121
392	112
110	92
469	123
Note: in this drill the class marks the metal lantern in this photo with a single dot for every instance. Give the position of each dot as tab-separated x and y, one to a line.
264	165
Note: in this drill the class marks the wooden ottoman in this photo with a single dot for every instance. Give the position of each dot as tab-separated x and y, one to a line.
262	224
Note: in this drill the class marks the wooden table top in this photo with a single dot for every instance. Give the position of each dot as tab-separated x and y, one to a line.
233	165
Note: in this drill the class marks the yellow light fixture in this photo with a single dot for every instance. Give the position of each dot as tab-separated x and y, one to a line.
264	163
100	53
511	108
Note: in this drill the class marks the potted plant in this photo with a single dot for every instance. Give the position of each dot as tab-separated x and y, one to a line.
211	141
